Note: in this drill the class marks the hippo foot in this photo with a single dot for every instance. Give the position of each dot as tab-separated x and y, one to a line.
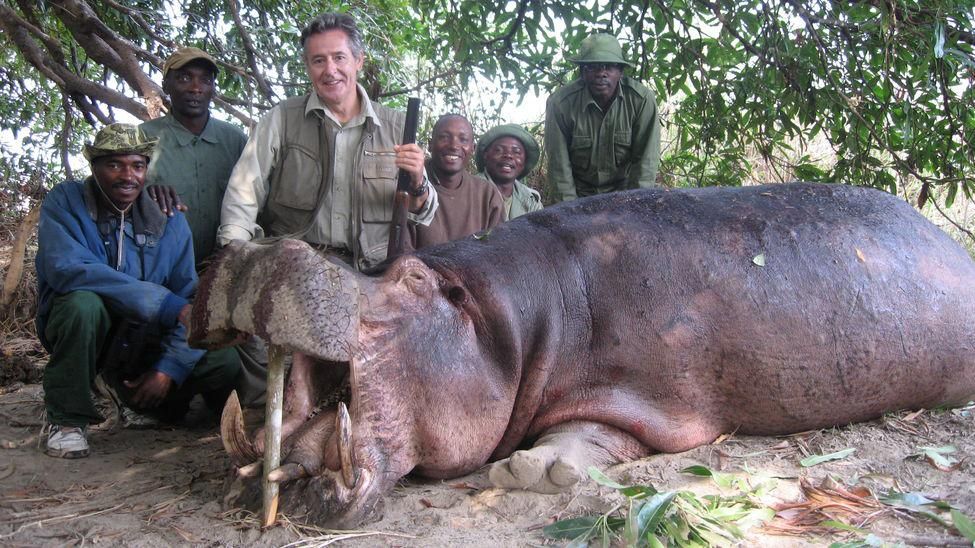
561	457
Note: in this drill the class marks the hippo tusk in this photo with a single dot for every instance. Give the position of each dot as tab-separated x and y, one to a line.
251	470
287	472
235	440
343	427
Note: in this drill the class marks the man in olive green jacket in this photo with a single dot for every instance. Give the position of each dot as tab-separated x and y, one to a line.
322	167
602	132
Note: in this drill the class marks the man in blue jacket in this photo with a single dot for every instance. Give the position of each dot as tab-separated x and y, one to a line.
115	276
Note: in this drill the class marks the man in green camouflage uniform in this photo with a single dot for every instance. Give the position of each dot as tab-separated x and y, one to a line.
602	132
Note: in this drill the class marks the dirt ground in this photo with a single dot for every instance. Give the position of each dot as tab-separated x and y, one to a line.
166	487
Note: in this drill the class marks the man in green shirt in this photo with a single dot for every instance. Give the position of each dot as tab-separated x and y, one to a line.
602	132
196	152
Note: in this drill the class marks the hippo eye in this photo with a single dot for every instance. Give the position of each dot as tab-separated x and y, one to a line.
457	295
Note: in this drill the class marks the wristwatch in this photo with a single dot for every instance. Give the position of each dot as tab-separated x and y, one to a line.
424	186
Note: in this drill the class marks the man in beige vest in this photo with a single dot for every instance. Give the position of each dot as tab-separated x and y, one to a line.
318	168
310	169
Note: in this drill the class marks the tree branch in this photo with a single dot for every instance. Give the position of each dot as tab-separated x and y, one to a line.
17	29
249	53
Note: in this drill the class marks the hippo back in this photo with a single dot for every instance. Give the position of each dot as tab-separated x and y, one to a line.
767	309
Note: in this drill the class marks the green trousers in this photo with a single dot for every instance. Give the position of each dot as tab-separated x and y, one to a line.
79	327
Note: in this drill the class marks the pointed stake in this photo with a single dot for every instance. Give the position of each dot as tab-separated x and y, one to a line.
272	431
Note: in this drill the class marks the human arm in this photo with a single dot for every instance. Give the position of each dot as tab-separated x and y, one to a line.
557	135
646	146
248	186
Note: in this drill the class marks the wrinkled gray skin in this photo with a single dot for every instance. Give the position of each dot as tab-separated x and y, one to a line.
601	330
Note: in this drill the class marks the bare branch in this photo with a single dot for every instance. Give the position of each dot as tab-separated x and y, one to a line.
249	52
17	29
66	134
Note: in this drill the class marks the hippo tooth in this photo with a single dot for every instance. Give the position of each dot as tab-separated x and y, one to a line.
343	427
287	472
235	441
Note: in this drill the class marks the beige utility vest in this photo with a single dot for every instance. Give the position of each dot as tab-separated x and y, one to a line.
305	172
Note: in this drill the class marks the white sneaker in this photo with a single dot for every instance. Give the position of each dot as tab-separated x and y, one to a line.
67	442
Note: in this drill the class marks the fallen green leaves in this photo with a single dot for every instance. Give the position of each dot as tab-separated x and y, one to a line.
657	519
819	459
648	517
939	457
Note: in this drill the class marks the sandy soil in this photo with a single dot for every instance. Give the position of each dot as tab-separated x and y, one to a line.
166	487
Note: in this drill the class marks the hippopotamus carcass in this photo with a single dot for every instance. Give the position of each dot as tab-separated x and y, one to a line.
598	331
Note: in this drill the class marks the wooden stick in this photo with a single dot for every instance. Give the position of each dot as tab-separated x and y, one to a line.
272	430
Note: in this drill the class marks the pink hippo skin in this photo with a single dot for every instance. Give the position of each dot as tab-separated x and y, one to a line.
598	331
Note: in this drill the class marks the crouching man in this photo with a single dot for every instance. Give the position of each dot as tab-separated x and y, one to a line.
115	276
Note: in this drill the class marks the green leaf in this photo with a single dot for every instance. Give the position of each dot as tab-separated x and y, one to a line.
603	480
652	513
963	524
894	498
759	259
819	459
937	455
567	529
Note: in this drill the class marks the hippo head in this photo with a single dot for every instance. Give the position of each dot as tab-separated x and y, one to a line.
380	335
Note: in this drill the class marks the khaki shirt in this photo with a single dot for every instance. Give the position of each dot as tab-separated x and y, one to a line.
349	217
591	151
524	199
197	167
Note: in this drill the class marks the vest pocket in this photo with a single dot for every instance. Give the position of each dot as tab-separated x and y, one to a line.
378	189
299	181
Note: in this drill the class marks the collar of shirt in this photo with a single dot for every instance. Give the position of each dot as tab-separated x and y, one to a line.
185	137
366	112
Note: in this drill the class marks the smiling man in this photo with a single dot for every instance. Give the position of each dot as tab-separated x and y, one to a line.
602	132
196	152
310	169
468	204
322	168
115	276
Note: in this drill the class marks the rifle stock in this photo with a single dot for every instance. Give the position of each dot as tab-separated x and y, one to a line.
398	231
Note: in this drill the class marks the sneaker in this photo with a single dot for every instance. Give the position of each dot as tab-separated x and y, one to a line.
135	420
67	442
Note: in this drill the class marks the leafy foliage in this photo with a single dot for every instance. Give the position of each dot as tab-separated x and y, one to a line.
872	93
679	518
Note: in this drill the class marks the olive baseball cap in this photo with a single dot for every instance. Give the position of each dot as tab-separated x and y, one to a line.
184	55
532	150
119	139
600	48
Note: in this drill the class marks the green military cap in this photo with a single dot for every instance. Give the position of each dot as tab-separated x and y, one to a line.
119	139
601	48
532	151
184	55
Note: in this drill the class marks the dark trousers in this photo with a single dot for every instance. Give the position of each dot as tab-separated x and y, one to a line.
79	329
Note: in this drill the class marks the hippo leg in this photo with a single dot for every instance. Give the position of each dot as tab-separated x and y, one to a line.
562	454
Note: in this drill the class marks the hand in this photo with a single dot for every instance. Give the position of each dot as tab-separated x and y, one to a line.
150	388
167	198
410	158
184	315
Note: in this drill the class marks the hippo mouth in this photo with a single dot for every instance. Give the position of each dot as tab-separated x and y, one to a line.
333	468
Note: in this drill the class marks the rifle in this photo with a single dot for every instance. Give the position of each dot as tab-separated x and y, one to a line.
398	232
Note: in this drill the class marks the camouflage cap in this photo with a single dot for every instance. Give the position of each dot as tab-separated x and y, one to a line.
532	151
184	55
119	139
601	48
